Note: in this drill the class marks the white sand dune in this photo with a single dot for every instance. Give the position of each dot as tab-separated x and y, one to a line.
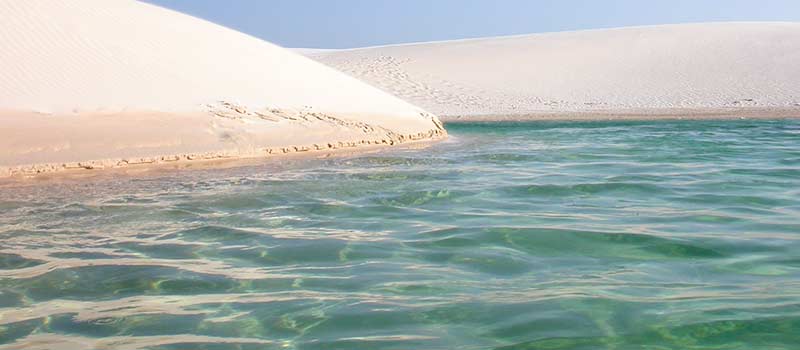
97	83
713	68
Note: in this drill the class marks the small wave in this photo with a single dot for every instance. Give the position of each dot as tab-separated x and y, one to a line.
420	198
13	261
552	241
583	189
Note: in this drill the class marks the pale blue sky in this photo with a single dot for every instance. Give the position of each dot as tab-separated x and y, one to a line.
357	23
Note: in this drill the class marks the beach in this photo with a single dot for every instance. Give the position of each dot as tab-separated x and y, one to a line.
98	84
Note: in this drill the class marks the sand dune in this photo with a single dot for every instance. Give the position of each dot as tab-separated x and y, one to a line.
714	69
98	83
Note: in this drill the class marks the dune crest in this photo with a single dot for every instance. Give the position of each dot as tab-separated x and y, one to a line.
106	83
712	68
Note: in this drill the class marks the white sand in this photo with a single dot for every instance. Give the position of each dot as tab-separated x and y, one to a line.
714	69
99	83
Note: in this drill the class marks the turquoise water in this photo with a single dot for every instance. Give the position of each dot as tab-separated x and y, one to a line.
604	235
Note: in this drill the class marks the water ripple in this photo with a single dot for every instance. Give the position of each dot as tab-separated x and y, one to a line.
623	235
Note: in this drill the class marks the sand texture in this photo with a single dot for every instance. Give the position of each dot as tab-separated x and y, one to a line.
108	83
696	70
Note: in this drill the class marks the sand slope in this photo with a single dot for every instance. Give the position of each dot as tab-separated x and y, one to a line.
119	82
669	69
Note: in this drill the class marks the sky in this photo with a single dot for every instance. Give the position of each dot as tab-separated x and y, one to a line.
358	23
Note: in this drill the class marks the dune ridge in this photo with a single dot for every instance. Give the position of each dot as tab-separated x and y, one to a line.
695	70
111	83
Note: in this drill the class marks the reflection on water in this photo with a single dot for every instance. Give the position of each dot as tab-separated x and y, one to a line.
511	236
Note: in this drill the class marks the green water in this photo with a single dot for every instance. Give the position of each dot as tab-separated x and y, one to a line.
629	235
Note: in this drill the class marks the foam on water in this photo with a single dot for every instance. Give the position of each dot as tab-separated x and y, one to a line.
669	234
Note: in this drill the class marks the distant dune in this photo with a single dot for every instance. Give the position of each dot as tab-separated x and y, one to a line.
107	83
713	69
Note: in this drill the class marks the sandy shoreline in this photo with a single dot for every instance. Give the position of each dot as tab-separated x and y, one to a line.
206	160
634	114
42	144
166	164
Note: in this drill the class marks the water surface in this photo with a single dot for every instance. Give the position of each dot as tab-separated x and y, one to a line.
556	235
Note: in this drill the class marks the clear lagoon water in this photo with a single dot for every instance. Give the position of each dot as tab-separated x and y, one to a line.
550	235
